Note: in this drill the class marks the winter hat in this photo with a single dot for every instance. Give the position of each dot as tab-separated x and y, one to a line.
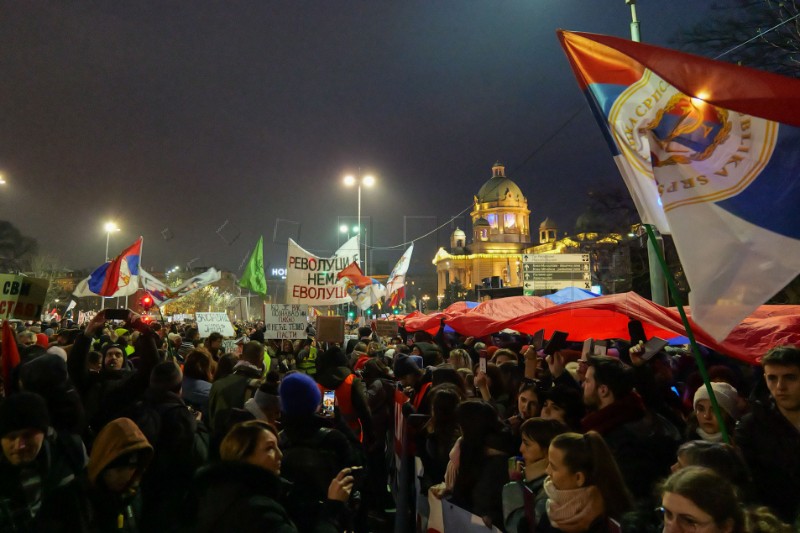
44	373
491	349
479	346
727	397
267	395
42	340
404	366
300	395
173	337
165	376
59	351
23	410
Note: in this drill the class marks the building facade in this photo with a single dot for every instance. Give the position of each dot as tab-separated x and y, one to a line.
500	232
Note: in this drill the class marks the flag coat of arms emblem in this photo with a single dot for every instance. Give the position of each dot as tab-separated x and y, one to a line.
118	277
710	153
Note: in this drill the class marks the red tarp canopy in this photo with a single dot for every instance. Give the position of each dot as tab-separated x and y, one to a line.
482	319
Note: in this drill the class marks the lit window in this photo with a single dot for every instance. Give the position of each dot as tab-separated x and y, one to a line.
492	218
509	221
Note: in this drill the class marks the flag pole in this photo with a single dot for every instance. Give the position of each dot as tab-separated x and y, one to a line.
701	366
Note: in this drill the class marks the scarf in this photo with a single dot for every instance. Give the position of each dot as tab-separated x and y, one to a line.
627	409
573	511
710	437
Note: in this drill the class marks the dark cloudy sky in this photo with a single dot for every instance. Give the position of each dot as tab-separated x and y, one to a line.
193	116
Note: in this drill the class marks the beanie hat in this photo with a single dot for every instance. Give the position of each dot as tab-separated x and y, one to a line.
300	395
59	351
165	376
173	337
479	346
23	410
491	349
404	366
267	396
726	395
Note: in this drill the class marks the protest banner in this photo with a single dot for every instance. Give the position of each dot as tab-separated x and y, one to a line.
208	323
22	297
330	329
285	321
312	280
386	328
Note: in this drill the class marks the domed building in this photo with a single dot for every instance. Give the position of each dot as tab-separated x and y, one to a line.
500	232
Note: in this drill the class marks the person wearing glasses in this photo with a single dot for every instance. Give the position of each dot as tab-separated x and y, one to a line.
696	499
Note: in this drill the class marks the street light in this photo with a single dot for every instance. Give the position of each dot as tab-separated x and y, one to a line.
367	181
109	227
2	179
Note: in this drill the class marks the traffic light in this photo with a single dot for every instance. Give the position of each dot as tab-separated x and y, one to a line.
396	310
146	302
351	315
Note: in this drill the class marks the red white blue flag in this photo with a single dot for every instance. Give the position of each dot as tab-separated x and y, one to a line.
363	290
118	277
710	152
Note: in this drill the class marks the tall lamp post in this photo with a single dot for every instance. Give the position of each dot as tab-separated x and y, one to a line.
368	181
110	227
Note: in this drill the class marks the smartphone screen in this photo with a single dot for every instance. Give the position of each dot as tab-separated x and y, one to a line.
328	402
556	342
600	347
652	347
482	364
587	348
538	339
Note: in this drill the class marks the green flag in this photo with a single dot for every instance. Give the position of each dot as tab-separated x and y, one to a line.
254	277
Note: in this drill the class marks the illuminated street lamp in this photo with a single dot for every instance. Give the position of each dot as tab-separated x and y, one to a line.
109	227
367	181
2	179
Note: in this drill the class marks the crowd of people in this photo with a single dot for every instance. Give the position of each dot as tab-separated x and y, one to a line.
133	425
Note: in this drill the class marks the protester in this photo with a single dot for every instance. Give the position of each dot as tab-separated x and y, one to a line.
524	498
703	424
584	486
769	436
333	374
698	499
233	390
39	469
119	458
244	492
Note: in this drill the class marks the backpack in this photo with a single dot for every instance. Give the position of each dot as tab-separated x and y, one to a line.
308	464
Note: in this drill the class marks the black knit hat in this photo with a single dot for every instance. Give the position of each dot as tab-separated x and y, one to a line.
166	376
404	366
24	410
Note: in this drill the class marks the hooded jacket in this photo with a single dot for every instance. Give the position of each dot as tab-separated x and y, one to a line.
109	510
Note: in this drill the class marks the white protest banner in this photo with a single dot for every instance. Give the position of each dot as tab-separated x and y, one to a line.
22	297
286	321
312	280
208	323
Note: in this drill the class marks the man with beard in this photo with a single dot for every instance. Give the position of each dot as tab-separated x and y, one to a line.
643	443
109	392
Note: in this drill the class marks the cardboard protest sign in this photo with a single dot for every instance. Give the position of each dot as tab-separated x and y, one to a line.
208	323
386	328
22	297
330	329
286	321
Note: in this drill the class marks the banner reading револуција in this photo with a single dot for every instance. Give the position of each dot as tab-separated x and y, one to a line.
312	280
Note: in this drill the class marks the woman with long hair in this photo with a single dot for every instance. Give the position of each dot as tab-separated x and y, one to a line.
244	492
698	499
584	488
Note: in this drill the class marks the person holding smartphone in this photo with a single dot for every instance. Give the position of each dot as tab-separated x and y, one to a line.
108	393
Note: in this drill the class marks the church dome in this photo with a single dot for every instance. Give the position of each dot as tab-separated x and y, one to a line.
499	187
548	223
459	234
481	222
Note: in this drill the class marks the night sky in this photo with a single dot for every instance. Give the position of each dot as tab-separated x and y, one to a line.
191	117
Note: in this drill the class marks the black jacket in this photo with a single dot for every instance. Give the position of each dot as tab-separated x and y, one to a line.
240	497
770	444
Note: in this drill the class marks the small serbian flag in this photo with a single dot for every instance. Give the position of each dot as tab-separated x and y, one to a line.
118	277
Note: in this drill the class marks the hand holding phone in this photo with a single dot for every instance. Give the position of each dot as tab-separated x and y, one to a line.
557	341
116	314
652	347
328	403
482	364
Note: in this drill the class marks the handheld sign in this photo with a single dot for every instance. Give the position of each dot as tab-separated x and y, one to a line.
330	329
208	323
286	321
22	297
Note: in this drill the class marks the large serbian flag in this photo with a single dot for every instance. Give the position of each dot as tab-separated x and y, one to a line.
118	277
710	152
